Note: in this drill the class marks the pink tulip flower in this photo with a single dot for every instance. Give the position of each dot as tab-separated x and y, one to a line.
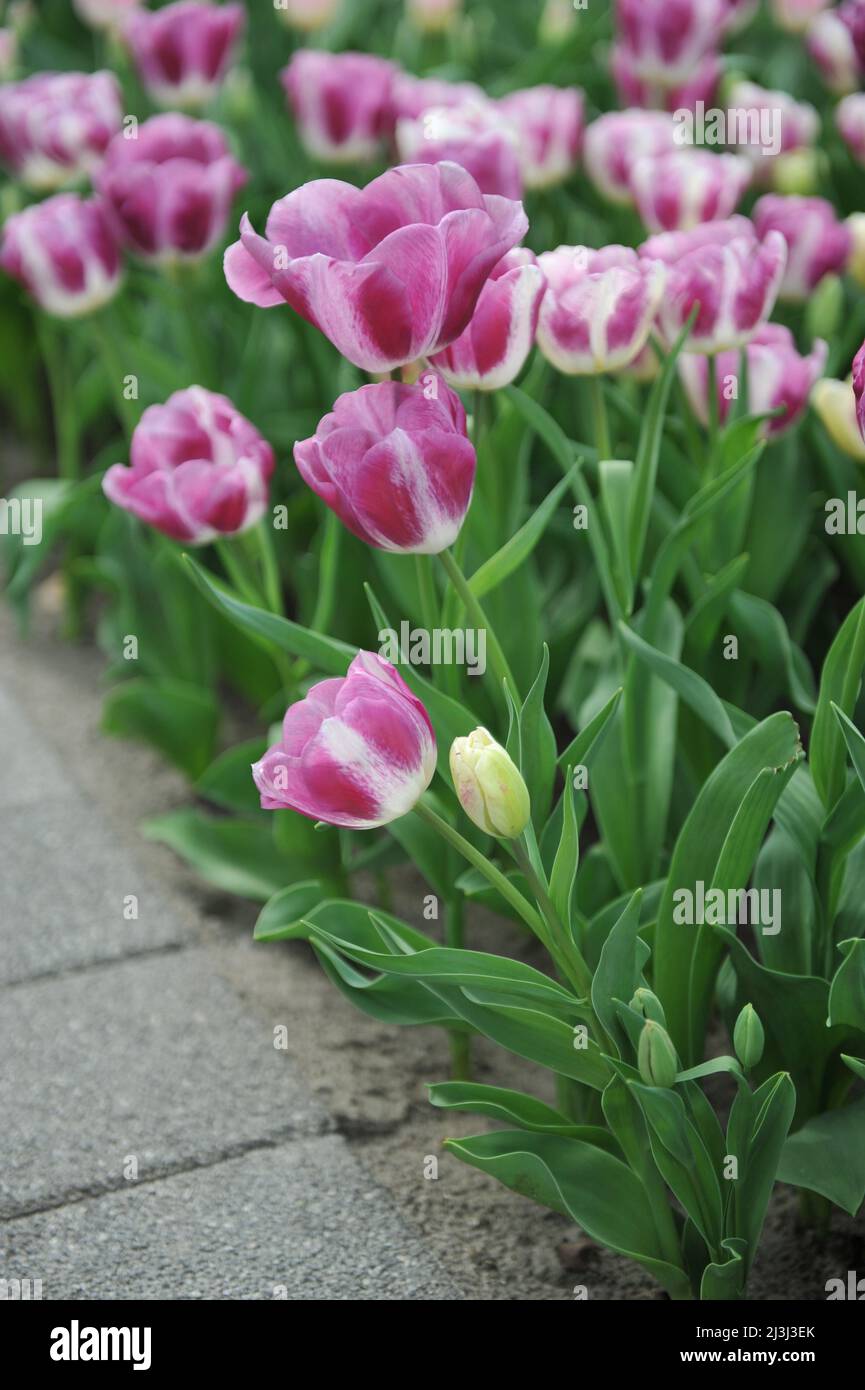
778	375
739	14
412	96
395	464
182	52
666	40
170	189
341	103
105	14
64	252
358	751
818	243
198	469
829	40
859	388
549	125
677	191
390	273
723	268
598	309
477	136
493	349
615	141
56	126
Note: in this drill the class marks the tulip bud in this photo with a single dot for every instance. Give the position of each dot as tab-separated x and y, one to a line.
433	16
825	308
489	785
835	405
649	1006
656	1056
307	15
557	22
856	260
798	171
748	1037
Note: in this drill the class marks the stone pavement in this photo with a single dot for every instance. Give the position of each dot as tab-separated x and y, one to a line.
153	1142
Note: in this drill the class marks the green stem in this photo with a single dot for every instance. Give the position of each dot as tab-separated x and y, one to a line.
477	615
426	589
479	861
600	418
62	409
272	585
109	354
329	571
714	419
460	1040
563	948
187	319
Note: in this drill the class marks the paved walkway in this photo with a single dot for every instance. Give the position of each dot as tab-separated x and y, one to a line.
154	1143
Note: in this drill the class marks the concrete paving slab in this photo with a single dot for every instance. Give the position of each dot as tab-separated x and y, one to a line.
155	1060
71	895
30	772
301	1221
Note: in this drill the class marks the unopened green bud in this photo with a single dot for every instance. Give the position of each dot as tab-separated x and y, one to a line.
748	1037
656	1055
648	1005
489	785
557	21
825	309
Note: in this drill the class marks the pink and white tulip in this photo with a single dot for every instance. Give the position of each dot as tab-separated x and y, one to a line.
105	14
198	469
56	126
677	191
778	376
389	273
395	464
635	90
171	188
739	14
829	40
615	141
798	125
341	103
493	349
850	119
666	40
818	243
64	252
412	96
796	15
183	52
722	268
598	309
308	16
358	751
549	125
477	136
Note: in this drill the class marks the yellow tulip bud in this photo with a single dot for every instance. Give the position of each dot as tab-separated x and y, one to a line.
835	405
856	261
489	785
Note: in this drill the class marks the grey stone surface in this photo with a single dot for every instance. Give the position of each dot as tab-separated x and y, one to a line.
300	1221
155	1058
30	772
65	883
